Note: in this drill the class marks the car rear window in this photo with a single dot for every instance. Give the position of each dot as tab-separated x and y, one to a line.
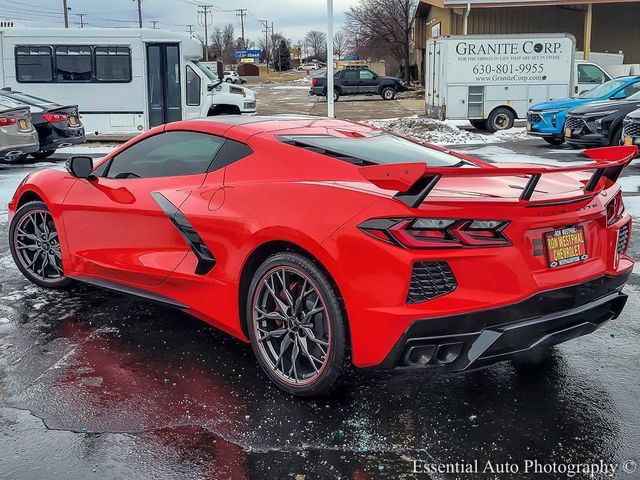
374	150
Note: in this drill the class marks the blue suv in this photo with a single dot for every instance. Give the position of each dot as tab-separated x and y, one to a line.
546	119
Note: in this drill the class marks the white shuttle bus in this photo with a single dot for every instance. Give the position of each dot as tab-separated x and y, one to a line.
123	80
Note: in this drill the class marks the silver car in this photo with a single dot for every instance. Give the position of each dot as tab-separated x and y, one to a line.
18	137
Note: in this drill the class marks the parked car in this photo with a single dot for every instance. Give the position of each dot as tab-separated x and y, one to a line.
57	125
358	81
18	137
600	123
547	119
631	128
231	76
320	240
309	66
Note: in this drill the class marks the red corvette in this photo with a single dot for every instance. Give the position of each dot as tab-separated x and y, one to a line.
313	238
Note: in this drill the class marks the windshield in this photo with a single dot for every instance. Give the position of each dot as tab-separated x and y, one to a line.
210	75
604	90
377	149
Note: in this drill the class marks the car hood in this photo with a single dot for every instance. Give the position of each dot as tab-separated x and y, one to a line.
635	115
620	106
559	104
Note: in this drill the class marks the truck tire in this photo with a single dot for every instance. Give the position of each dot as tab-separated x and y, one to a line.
479	124
500	119
388	93
336	95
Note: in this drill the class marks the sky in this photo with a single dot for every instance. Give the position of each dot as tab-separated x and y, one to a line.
293	18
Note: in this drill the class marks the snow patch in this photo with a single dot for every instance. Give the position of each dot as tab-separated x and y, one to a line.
444	133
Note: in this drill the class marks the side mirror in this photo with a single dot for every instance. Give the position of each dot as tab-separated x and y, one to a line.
79	166
619	96
213	85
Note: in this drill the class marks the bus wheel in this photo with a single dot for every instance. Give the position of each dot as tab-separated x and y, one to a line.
500	119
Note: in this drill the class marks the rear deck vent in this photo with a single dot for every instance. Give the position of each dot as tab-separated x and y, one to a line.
623	239
430	280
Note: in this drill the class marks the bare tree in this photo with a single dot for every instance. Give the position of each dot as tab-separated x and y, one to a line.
223	43
340	42
384	24
316	43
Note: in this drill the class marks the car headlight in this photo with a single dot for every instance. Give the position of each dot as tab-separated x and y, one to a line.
597	119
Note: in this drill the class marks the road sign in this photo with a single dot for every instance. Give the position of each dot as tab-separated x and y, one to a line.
248	53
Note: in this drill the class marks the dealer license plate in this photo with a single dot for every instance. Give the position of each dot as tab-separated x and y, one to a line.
528	127
566	246
23	124
567	132
73	121
628	140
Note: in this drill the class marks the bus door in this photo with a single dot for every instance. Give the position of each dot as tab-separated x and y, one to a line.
163	83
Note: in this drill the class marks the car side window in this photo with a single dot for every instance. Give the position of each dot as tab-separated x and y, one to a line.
167	154
590	74
366	75
631	89
350	75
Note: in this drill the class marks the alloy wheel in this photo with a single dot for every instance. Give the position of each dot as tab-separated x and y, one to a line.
291	325
37	246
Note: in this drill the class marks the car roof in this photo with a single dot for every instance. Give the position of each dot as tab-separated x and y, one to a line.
241	128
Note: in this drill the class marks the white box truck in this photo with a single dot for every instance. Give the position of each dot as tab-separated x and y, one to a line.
491	80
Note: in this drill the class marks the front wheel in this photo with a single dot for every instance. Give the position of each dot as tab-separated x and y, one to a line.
500	119
35	246
388	93
296	324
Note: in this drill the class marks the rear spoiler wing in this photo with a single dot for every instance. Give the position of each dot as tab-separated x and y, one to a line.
414	181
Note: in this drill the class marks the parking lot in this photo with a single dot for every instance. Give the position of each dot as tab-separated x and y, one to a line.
96	384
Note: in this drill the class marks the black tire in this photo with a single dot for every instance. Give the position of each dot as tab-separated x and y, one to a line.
388	93
500	119
18	239
229	80
616	138
553	140
44	154
326	345
336	95
479	124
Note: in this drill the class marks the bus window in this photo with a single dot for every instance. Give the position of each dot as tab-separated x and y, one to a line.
73	64
113	64
193	87
34	64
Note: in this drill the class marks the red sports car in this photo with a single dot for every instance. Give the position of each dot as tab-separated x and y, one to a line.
318	240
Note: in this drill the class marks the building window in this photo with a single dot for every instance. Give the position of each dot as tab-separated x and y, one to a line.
113	64
193	87
436	30
73	63
34	64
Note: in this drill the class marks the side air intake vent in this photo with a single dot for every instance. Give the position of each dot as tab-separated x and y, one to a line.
430	280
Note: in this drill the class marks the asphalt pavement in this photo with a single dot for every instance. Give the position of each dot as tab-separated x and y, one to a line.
97	384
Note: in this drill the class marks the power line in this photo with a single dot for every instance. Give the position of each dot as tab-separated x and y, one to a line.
205	11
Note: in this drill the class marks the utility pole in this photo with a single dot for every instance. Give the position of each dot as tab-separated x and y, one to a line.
65	7
205	12
241	14
81	15
190	27
139	13
330	111
265	23
154	22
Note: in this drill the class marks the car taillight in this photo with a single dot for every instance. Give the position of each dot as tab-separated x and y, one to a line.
437	232
6	121
314	81
615	209
54	117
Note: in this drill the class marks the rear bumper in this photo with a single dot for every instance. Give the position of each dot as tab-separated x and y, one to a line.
475	340
54	138
13	153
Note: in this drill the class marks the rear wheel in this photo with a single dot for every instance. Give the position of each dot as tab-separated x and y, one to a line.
43	154
553	140
500	119
296	324
336	95
479	124
388	93
35	246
